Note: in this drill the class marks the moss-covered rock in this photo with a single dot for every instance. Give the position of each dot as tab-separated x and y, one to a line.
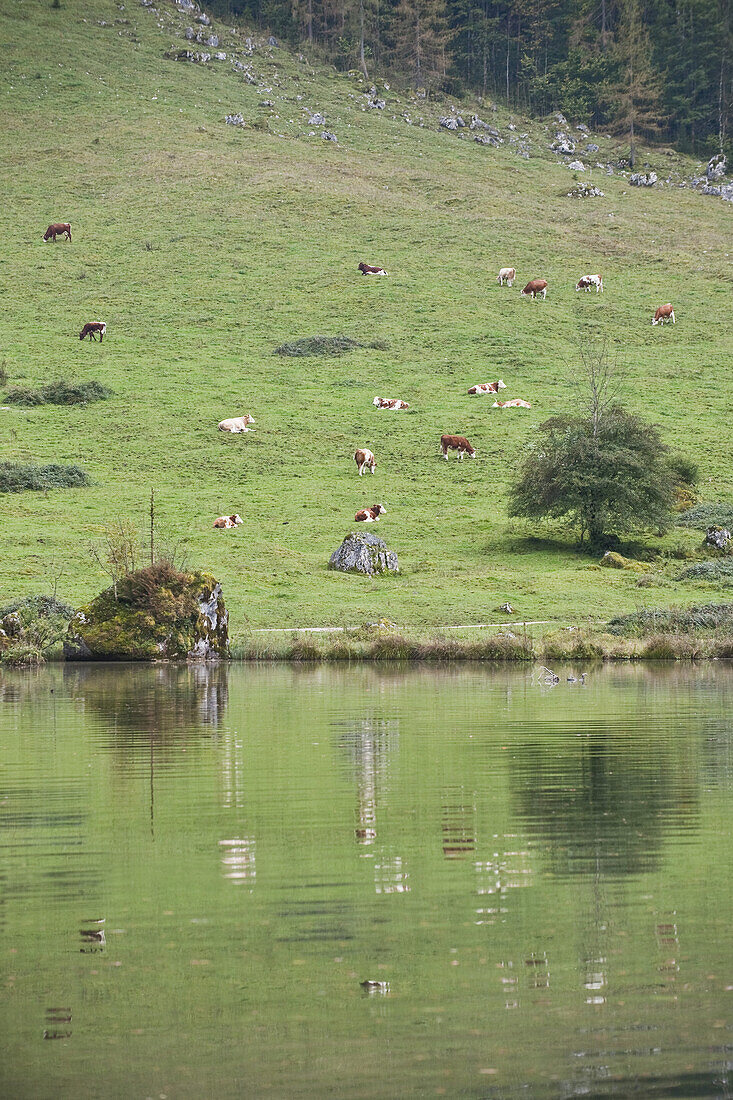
363	552
612	560
156	613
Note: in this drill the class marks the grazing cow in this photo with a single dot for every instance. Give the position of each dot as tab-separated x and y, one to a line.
91	327
457	443
236	423
587	282
535	287
364	457
515	403
370	515
223	523
367	269
487	387
506	275
58	229
390	403
664	313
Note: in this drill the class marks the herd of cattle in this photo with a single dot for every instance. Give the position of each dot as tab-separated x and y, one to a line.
363	457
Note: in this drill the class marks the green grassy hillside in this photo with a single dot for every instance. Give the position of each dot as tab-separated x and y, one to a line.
203	246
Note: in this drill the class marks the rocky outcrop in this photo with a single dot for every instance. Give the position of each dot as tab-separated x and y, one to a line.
591	147
563	144
577	166
363	552
154	614
451	122
642	179
717	538
716	167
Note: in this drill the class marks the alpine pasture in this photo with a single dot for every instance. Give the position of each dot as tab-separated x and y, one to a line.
203	246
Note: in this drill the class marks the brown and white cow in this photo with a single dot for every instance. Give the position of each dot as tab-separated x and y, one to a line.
515	403
457	443
535	287
664	313
58	229
236	423
587	282
92	327
506	276
364	457
367	269
487	387
390	403
370	515
224	523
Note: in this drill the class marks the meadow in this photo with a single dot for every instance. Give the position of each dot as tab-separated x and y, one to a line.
204	246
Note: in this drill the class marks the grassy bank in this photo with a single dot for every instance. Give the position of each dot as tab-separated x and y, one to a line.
204	247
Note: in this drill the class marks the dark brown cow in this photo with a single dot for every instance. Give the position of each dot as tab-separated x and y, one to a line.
92	327
58	229
457	443
535	287
370	515
367	269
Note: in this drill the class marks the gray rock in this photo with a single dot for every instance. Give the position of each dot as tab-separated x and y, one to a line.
186	5
717	537
272	41
328	136
726	192
716	167
577	165
374	103
203	19
235	120
451	122
591	147
213	41
12	624
266	103
561	118
363	552
478	124
641	179
511	126
316	119
583	128
609	169
220	56
563	144
190	34
487	139
203	57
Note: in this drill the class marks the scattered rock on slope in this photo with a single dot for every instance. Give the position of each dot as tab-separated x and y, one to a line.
641	179
363	552
716	167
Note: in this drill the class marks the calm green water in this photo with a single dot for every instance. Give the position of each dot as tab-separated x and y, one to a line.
542	877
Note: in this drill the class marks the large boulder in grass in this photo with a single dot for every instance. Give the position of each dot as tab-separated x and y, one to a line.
156	613
717	537
363	552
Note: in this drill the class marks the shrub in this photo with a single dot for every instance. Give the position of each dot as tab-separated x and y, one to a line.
325	345
721	569
58	393
161	590
18	477
38	607
707	514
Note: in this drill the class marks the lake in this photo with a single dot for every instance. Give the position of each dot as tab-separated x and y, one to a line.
201	867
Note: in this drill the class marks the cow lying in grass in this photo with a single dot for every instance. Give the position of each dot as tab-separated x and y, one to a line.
367	269
487	387
364	457
457	443
223	523
236	423
515	403
370	515
390	403
93	327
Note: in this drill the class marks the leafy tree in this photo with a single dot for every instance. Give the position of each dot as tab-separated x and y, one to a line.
613	478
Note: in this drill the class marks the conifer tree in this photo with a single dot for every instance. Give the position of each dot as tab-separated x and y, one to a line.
636	95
